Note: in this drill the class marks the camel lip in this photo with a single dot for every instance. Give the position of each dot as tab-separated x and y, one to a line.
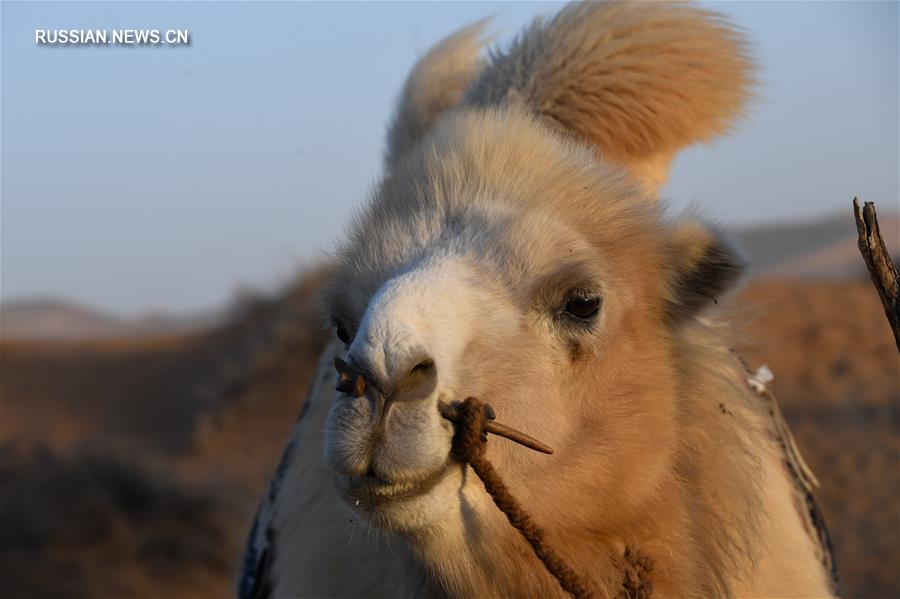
372	489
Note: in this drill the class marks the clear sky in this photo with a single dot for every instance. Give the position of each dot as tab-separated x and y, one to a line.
137	178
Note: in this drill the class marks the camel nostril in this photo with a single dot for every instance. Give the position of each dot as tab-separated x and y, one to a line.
423	366
420	379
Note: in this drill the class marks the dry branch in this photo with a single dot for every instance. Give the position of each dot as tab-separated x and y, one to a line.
878	261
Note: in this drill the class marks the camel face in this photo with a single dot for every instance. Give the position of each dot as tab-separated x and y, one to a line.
478	293
444	328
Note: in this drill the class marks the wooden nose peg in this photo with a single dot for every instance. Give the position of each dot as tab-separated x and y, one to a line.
451	413
348	380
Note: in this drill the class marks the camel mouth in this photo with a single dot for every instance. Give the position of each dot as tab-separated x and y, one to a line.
370	489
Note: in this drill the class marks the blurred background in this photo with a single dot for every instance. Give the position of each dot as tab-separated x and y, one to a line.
166	216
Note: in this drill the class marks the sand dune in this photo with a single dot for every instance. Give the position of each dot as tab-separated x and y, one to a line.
824	248
64	319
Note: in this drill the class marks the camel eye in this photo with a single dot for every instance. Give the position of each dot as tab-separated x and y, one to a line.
342	333
583	308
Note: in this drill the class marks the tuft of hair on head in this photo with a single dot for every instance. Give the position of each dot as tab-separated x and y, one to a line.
638	80
437	83
702	267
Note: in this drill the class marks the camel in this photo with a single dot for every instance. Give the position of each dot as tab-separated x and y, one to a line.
516	250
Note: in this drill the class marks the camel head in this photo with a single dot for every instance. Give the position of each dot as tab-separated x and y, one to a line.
515	251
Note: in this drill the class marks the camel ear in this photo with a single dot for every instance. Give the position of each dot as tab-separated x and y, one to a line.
437	83
703	267
638	80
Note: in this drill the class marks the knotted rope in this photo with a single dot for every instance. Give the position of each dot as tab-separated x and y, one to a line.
472	419
636	583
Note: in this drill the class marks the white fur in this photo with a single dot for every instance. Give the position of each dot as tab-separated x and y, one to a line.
428	313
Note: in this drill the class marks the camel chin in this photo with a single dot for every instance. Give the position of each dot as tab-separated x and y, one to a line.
407	507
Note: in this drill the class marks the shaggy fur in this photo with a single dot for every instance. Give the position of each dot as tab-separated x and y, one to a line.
639	80
492	216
